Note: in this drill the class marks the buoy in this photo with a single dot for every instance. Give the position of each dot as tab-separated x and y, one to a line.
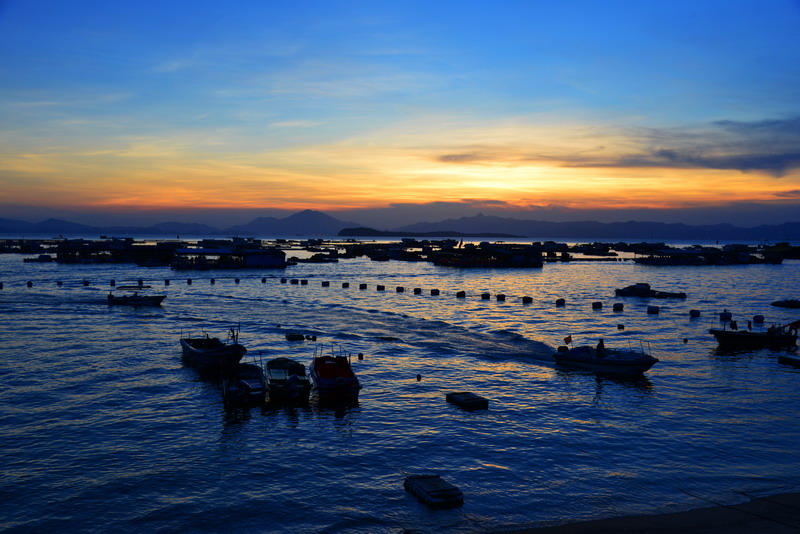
434	291
263	279
236	280
59	283
112	283
618	307
141	282
189	281
685	340
166	282
527	300
485	296
1	285
345	285
294	336
694	313
381	288
283	280
620	327
725	316
303	282
362	286
500	297
325	284
597	305
213	281
85	283
461	294
561	302
653	310
294	281
758	319
360	355
400	289
419	377
30	284
417	290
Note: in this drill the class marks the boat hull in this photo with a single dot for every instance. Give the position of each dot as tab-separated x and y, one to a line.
136	300
614	361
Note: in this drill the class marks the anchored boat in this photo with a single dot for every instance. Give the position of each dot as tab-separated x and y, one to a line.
211	353
287	380
332	375
604	360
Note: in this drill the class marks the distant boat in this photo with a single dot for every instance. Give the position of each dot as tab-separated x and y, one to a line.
287	380
611	361
772	337
644	290
41	258
211	353
332	375
135	300
787	303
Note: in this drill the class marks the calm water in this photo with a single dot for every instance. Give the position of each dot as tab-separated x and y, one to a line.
103	429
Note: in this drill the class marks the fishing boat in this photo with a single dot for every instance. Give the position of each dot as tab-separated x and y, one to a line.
212	353
604	360
135	300
244	385
287	380
332	375
781	336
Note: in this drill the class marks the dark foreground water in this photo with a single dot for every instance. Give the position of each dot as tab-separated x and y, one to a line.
104	430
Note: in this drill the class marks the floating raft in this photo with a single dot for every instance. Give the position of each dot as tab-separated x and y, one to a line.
434	491
468	401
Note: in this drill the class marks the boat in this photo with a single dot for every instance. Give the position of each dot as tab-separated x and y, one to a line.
605	360
244	385
41	258
332	375
211	353
135	299
287	380
434	491
787	303
644	290
790	359
773	337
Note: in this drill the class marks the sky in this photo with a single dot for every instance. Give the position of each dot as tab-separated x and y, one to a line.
389	113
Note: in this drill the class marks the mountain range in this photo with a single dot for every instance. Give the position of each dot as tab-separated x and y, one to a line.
315	223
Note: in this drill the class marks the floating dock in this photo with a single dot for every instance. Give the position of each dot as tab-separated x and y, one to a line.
468	400
434	491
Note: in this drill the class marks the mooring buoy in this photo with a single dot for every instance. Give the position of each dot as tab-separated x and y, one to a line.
527	300
618	307
345	285
461	294
653	310
417	290
500	297
597	305
561	302
434	291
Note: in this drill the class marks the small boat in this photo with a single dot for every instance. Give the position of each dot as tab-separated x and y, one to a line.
135	299
434	491
332	375
644	290
41	258
287	380
244	385
603	360
212	353
787	303
772	337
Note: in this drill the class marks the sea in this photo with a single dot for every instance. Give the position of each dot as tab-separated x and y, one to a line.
104	429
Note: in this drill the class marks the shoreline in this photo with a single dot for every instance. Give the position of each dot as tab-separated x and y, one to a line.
778	514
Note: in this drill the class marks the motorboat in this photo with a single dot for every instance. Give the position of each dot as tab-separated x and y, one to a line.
244	385
332	375
211	353
135	299
605	360
644	290
287	380
773	337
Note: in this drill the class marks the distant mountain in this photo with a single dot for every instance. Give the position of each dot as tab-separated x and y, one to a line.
306	222
371	232
596	230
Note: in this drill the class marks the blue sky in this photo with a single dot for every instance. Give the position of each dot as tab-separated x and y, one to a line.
406	109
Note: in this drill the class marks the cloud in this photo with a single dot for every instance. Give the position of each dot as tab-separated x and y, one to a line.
794	193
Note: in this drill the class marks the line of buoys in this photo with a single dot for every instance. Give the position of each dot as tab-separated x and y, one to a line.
527	300
597	305
461	294
434	292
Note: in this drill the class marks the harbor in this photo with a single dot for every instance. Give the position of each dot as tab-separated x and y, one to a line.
105	403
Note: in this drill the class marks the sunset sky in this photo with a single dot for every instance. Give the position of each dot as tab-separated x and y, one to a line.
395	112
